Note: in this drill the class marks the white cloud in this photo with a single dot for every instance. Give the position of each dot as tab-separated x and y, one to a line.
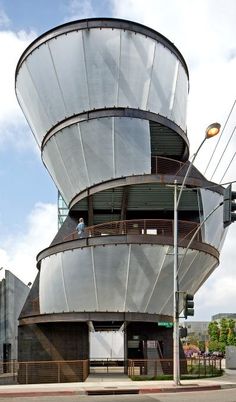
18	252
12	45
78	10
19	249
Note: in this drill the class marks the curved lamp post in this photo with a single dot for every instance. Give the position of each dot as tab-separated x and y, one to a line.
212	130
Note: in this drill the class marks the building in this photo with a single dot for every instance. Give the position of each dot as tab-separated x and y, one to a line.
198	330
219	316
106	101
13	294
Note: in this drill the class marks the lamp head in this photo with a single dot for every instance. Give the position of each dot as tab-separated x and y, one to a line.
212	130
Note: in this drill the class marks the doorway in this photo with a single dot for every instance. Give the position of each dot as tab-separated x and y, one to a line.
106	352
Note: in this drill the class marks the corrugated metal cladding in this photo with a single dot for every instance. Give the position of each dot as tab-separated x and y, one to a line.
82	205
154	196
165	141
101	218
109	199
142	197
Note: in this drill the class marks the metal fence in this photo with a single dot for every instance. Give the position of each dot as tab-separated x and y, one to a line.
190	367
78	370
107	365
156	227
35	372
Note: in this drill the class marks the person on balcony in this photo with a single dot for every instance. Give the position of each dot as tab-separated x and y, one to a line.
80	228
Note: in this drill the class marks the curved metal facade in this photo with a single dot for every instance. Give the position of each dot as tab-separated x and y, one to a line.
100	150
93	69
122	278
73	71
103	98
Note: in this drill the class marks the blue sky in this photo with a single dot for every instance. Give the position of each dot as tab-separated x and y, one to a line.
203	30
42	15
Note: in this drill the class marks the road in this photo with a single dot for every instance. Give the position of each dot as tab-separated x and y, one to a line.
227	395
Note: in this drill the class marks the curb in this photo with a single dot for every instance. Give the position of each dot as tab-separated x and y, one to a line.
158	390
117	391
179	389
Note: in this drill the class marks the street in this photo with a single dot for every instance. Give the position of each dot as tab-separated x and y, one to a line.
227	395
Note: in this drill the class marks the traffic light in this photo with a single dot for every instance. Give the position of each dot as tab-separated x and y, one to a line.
229	206
188	305
183	332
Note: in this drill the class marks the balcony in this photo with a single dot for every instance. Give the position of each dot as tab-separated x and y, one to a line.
153	227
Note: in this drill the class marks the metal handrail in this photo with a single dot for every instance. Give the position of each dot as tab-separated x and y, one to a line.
198	366
157	227
164	165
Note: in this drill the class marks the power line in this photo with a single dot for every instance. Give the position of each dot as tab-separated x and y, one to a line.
220	136
223	152
228	167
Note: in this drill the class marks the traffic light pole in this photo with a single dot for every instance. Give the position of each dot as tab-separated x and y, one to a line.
211	131
177	197
176	369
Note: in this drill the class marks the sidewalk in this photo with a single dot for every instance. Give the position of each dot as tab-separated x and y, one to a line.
118	384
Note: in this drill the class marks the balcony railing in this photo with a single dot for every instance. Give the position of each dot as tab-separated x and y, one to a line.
168	166
154	227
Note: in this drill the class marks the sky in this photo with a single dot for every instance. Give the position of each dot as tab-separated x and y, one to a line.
204	31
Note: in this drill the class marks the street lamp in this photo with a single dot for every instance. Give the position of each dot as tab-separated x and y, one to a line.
211	131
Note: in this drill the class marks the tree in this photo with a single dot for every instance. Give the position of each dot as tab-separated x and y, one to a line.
193	339
213	331
221	334
224	330
216	346
231	340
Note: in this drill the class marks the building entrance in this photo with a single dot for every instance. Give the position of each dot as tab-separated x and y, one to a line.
106	352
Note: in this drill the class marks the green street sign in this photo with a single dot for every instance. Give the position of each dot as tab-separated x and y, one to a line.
165	324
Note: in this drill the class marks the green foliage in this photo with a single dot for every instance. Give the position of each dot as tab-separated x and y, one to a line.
221	335
231	324
201	370
224	329
201	345
193	372
193	340
215	346
231	340
213	331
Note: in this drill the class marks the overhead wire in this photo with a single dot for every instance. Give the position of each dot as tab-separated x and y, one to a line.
223	152
227	167
220	136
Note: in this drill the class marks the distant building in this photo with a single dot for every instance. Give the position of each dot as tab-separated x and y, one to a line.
13	293
219	316
198	329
